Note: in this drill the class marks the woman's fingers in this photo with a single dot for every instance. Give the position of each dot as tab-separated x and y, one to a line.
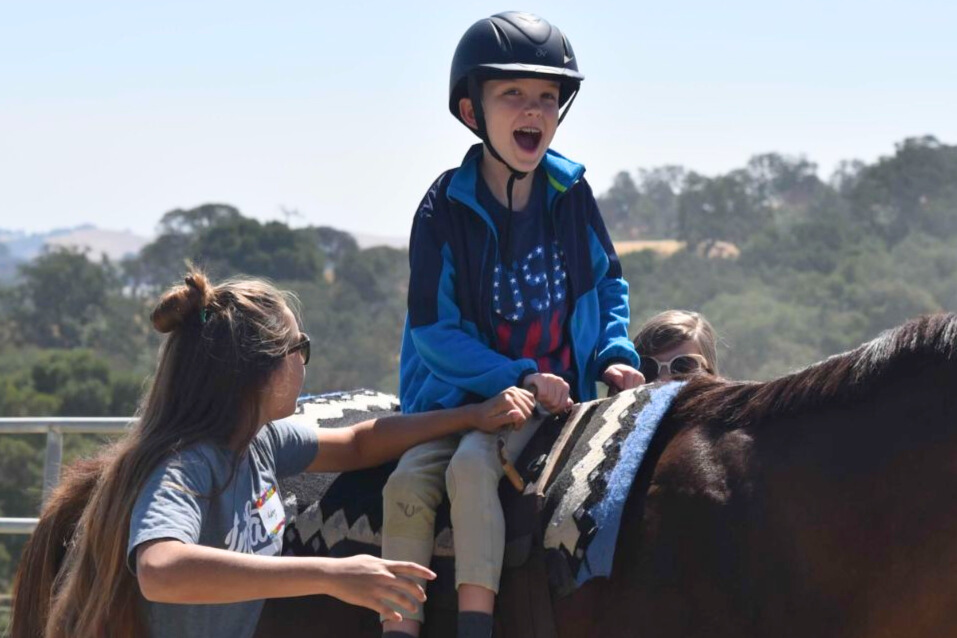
408	587
511	417
521	397
410	569
389	595
385	611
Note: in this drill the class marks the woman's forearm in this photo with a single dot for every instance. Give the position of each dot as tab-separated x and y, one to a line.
376	441
173	572
387	438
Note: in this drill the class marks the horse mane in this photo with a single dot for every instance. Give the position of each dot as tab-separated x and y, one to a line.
837	380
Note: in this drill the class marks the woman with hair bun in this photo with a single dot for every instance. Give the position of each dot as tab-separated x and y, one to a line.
180	522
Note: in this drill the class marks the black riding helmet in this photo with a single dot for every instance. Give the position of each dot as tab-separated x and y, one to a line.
511	44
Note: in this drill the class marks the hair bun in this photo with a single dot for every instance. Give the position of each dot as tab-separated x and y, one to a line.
181	302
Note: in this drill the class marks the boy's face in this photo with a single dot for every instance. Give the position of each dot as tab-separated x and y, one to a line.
521	116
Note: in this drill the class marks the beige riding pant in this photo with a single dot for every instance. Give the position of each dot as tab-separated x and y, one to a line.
468	467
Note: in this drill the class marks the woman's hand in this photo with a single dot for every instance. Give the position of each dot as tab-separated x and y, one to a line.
368	581
621	376
511	406
551	391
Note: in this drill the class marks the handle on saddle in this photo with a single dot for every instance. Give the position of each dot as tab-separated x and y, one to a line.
513	476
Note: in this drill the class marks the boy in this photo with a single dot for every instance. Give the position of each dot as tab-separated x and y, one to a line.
514	282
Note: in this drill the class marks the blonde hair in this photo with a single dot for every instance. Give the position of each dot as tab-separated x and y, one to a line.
223	344
672	328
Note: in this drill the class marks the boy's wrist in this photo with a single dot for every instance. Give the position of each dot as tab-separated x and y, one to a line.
614	361
524	375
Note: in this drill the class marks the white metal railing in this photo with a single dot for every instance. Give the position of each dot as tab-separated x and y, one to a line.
54	428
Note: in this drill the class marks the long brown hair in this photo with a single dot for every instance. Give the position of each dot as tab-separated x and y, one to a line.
671	328
223	344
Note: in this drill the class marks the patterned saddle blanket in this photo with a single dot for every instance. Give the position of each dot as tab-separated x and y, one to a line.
584	493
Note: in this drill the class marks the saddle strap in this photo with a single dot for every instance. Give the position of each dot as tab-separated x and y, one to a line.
524	606
577	419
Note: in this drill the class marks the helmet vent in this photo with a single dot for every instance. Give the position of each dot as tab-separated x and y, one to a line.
569	54
529	25
501	37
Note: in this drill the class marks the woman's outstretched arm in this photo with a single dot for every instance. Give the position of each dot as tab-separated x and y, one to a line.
376	441
171	571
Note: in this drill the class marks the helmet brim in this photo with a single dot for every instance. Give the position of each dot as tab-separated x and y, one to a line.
569	79
490	71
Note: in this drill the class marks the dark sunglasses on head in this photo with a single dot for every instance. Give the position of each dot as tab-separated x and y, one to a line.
682	364
303	348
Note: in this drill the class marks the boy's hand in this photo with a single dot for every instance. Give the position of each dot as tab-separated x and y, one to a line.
621	376
550	390
511	406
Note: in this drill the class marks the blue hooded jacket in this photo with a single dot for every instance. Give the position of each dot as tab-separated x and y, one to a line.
447	358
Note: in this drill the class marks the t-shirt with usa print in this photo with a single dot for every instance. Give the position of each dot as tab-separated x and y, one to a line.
529	284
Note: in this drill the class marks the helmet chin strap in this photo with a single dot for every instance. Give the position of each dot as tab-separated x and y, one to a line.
475	94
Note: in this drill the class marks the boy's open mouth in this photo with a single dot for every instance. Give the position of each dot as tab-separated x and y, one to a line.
527	138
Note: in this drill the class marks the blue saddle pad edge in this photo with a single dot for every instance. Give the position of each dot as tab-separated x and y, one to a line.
607	512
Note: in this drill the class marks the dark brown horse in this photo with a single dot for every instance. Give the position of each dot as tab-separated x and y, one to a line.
823	503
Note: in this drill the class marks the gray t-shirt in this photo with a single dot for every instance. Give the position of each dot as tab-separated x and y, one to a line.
175	503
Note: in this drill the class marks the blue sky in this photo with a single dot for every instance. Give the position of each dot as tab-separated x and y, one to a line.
115	112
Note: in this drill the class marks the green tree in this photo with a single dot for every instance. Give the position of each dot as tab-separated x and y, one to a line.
915	190
195	220
60	294
618	206
8	264
723	208
335	245
658	205
268	250
160	263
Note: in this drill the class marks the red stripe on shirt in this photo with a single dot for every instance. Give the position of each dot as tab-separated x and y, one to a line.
532	340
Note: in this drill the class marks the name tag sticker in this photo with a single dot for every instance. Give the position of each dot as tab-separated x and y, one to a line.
271	511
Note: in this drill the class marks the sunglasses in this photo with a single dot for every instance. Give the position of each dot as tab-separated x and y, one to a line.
303	348
682	364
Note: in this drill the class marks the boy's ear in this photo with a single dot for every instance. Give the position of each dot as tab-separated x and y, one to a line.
467	113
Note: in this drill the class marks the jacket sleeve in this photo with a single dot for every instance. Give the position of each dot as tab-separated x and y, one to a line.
614	345
450	347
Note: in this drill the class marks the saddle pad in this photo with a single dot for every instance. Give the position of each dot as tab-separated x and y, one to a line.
352	500
341	514
585	501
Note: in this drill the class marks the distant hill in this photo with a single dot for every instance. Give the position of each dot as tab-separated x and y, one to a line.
112	243
668	247
369	241
115	244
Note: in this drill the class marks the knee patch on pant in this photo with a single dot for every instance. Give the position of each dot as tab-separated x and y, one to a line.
408	505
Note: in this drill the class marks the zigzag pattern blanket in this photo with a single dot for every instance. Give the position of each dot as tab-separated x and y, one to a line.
584	503
341	515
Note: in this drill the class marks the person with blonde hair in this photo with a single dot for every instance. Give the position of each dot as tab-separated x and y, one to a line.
676	342
179	525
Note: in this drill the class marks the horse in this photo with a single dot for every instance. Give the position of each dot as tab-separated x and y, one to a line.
821	503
